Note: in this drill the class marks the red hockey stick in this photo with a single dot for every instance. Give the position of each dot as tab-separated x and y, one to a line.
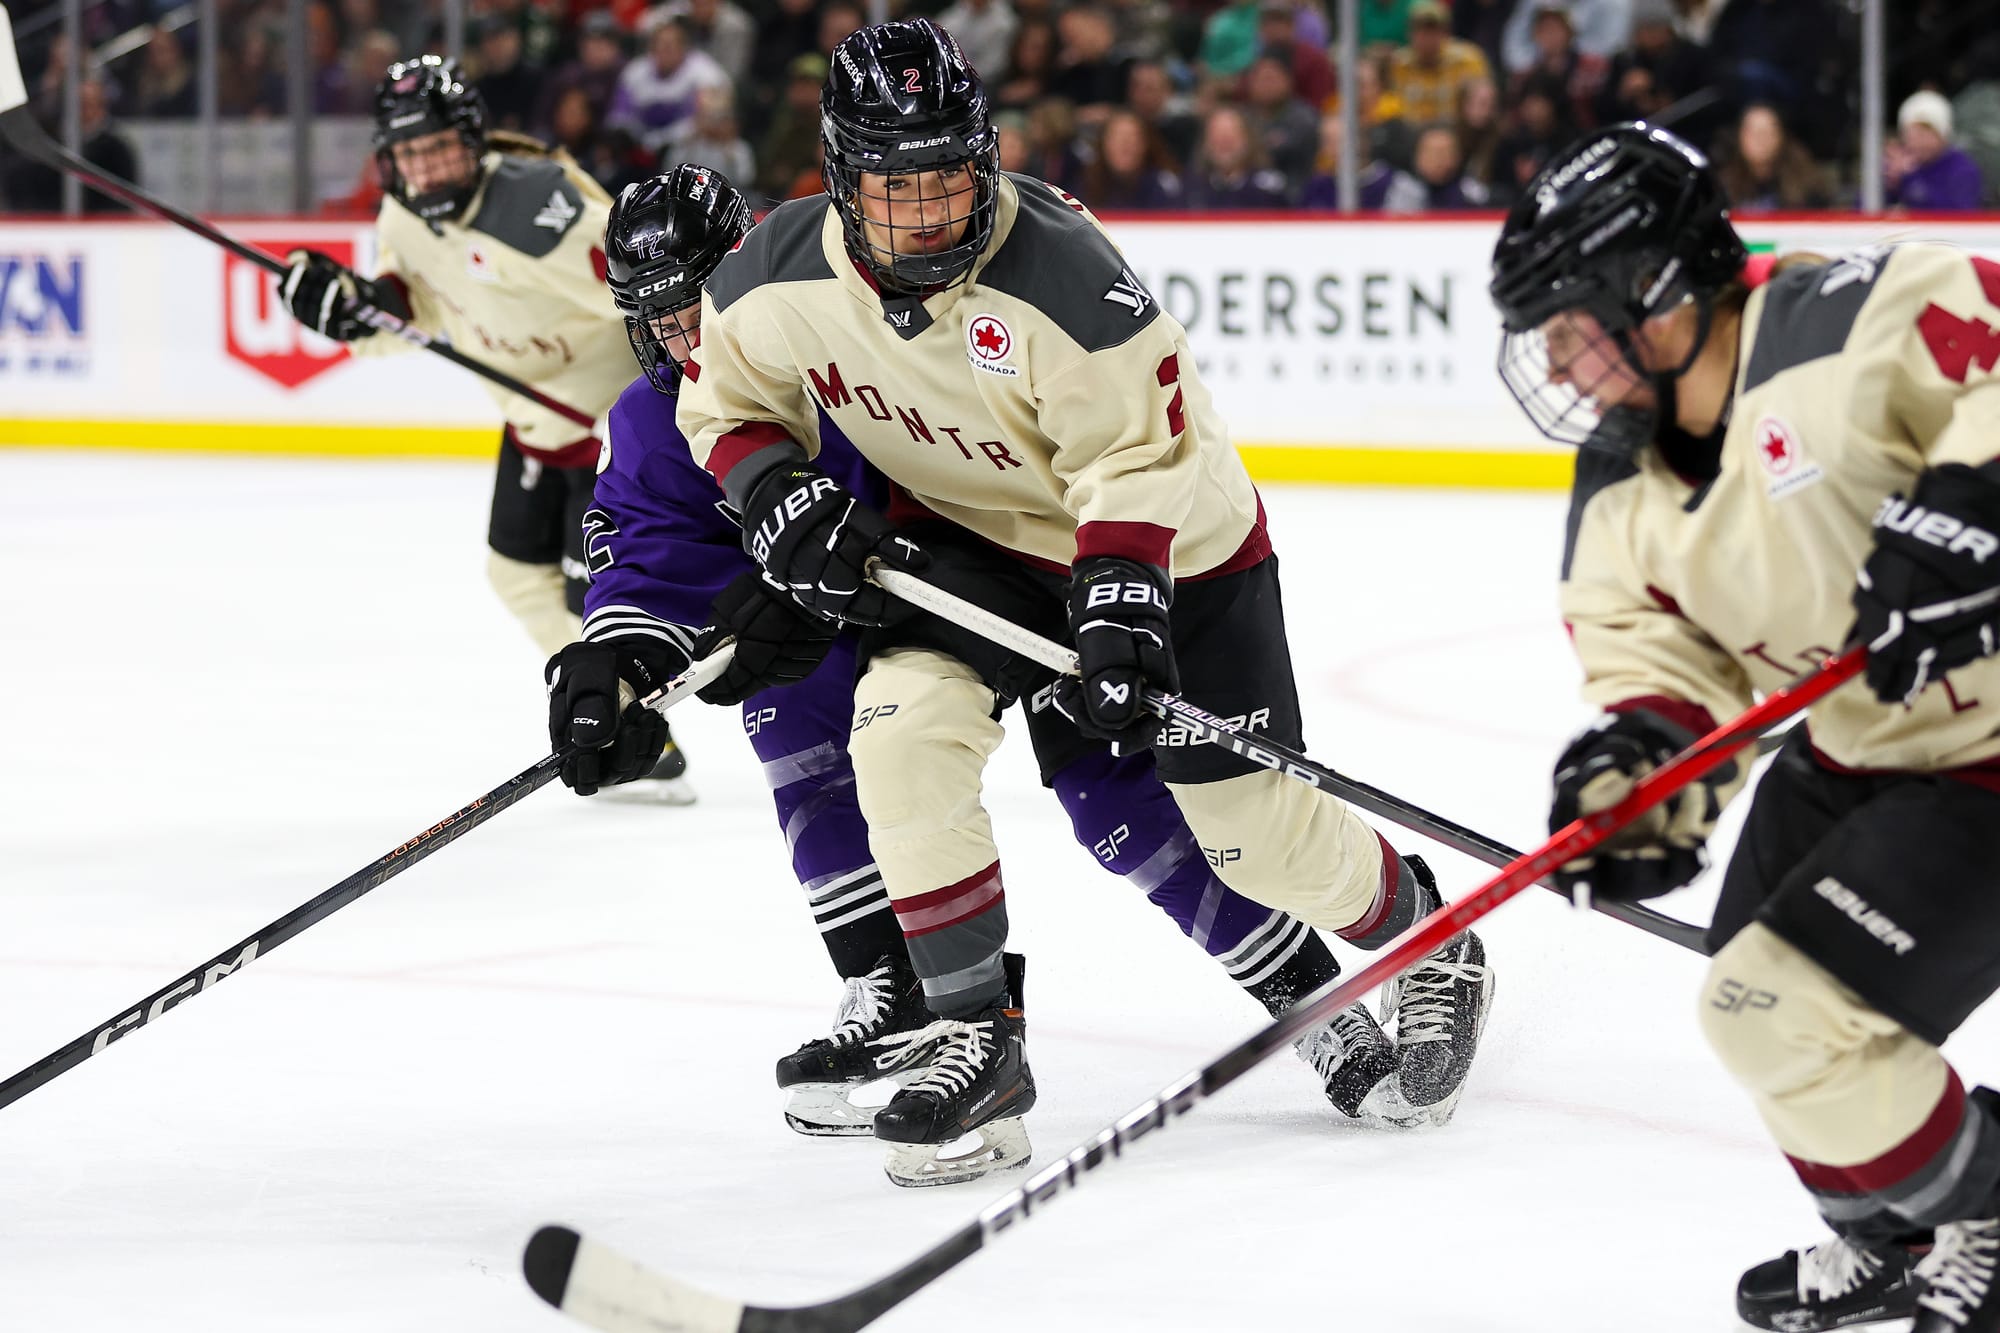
597	1286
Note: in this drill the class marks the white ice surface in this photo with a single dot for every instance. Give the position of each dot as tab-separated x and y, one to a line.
229	683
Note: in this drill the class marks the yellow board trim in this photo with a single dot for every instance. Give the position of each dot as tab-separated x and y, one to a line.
1502	469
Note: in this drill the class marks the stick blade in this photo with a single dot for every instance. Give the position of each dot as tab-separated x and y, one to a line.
13	89
602	1289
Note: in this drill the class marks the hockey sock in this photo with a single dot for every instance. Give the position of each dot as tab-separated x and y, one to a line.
1405	895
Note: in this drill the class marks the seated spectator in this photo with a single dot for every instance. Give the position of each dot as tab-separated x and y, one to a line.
1278	23
1029	66
1658	69
1389	134
1150	94
656	91
1483	23
1384	24
506	85
838	20
1541	130
610	156
791	146
1773	51
720	28
1284	125
1322	192
332	94
165	88
1479	134
1598	28
1560	63
1436	181
600	58
1131	169
786	30
1010	131
710	138
1430	75
370	58
1975	114
984	30
1229	39
1230	172
1052	148
251	85
1926	171
1087	74
33	187
1763	169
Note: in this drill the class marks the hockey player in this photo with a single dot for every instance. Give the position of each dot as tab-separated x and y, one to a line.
1749	446
495	244
1055	458
660	551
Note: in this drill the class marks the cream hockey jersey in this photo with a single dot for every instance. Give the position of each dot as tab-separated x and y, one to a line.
517	280
1853	375
1046	403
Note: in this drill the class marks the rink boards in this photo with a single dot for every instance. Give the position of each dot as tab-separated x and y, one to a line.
1338	351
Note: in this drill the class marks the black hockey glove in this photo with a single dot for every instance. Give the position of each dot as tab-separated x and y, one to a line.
1928	598
323	295
1118	617
817	540
594	689
1664	848
778	642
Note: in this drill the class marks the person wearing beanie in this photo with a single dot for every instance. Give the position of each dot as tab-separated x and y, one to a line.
1926	172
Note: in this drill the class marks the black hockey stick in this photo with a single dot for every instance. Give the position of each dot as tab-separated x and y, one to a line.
19	127
601	1288
395	862
1259	749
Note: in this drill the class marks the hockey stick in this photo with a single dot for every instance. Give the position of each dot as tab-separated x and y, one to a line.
601	1288
243	952
19	127
1259	749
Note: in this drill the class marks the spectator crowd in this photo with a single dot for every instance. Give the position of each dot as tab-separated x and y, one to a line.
1138	105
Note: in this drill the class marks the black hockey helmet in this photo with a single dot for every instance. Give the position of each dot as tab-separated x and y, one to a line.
421	97
664	237
1625	225
901	98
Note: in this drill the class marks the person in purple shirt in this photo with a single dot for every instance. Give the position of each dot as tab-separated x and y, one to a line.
664	556
1927	173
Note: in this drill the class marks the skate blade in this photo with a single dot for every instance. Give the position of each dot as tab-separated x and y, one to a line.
998	1145
649	791
838	1110
1386	1108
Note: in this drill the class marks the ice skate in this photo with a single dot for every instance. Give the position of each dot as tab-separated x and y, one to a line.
1957	1287
666	784
820	1077
1356	1063
1439	1008
977	1089
1835	1284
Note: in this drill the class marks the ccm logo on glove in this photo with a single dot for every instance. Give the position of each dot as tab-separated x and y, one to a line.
1933	528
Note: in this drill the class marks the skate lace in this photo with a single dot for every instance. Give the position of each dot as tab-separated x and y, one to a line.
1835	1268
1958	1272
1425	1003
1327	1046
962	1051
863	1006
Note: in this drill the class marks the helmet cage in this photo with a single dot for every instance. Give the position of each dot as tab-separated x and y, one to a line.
663	240
901	102
418	98
1623	229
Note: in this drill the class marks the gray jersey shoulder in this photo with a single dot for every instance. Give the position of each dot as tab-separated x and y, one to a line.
1596	471
530	204
784	247
1809	312
1057	261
